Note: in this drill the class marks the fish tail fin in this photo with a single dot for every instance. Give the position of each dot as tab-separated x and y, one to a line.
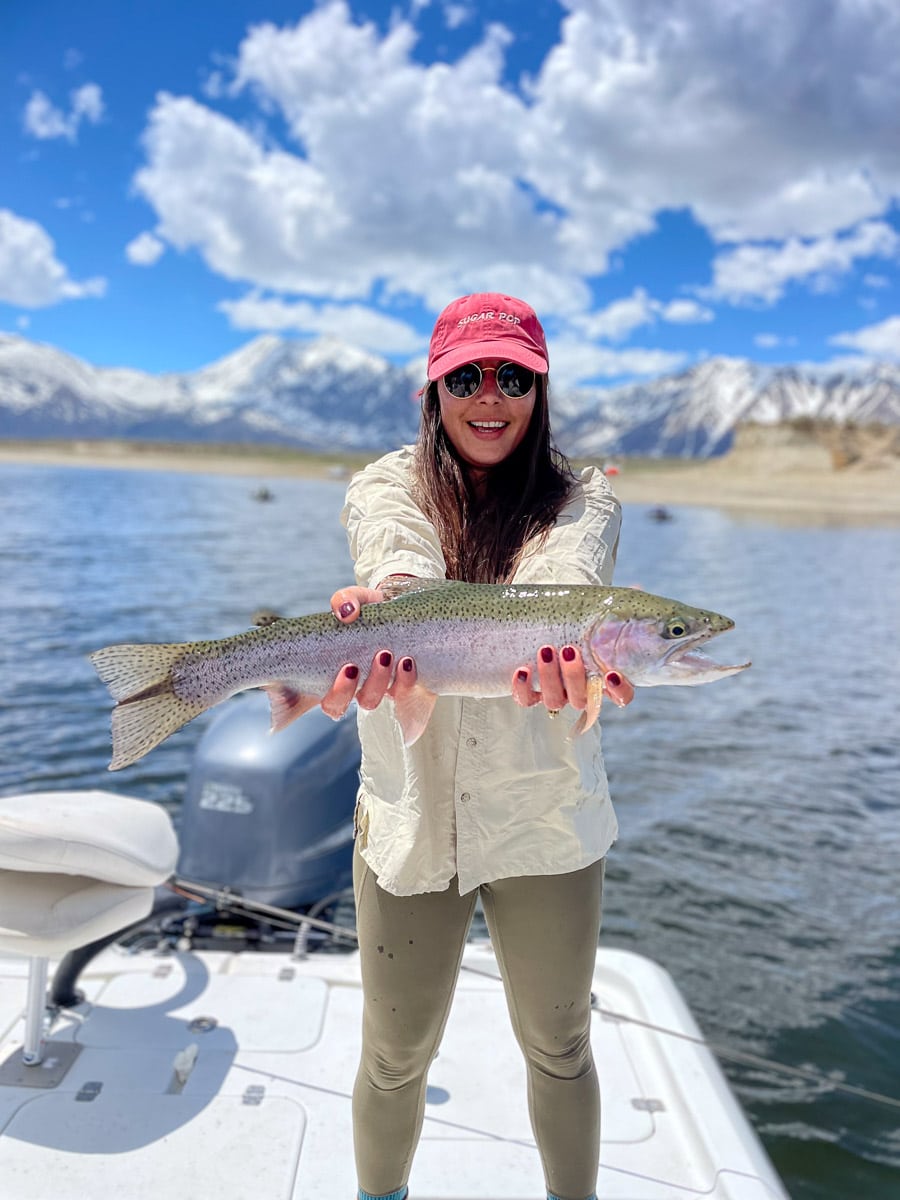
147	709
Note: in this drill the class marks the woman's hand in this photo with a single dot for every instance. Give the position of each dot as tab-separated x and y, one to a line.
346	604
562	679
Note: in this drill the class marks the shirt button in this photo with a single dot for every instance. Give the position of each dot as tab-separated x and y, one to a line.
470	742
465	798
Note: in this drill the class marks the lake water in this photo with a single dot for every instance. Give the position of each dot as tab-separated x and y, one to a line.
759	852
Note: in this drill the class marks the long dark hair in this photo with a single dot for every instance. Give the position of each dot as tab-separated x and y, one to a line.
483	536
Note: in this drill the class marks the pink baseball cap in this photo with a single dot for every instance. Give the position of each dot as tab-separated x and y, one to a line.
487	325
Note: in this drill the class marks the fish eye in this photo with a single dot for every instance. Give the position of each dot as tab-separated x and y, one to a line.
676	627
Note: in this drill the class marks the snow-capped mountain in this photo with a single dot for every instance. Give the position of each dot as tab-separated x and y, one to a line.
326	395
694	414
320	395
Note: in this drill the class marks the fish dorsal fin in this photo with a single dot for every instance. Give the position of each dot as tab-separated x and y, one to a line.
413	708
405	585
287	704
265	616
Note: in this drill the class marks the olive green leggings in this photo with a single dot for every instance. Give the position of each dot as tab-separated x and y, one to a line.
544	929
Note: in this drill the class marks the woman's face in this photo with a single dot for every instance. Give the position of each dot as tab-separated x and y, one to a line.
487	427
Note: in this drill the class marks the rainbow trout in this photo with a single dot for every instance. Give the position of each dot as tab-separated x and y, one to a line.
467	639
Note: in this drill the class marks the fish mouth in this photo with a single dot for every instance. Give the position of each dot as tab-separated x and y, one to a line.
697	661
688	656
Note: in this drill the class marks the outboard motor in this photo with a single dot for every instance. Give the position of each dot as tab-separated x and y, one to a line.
270	816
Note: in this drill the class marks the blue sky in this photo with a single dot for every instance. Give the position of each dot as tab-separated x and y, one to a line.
664	180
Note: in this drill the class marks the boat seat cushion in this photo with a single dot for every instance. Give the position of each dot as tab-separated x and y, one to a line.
101	835
45	916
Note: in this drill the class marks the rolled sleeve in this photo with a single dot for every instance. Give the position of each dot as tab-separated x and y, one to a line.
582	546
388	533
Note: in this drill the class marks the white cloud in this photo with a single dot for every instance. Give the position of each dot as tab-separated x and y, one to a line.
769	341
576	362
87	102
396	185
44	120
619	319
356	324
255	214
766	120
456	15
809	206
615	322
214	86
841	364
773	126
754	272
686	312
31	276
879	341
876	281
144	250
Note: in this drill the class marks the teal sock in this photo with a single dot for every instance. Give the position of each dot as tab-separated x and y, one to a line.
550	1196
400	1194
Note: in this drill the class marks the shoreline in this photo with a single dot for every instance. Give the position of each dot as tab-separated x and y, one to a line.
799	485
114	455
860	497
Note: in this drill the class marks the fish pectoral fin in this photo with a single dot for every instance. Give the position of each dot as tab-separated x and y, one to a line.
287	704
592	711
413	708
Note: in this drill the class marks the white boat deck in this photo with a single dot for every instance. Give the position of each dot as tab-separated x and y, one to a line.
265	1112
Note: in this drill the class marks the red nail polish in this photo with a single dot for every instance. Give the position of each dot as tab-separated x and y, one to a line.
568	653
346	609
522	677
546	654
385	658
407	664
613	678
351	672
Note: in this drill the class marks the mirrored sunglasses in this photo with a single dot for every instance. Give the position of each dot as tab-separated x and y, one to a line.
512	380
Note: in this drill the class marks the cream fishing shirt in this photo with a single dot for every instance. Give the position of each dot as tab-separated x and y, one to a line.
490	790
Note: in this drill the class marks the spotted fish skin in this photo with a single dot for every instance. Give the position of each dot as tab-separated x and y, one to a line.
466	639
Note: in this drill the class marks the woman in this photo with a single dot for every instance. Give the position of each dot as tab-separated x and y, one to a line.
492	800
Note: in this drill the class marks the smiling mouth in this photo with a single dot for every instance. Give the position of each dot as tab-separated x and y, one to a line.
489	425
